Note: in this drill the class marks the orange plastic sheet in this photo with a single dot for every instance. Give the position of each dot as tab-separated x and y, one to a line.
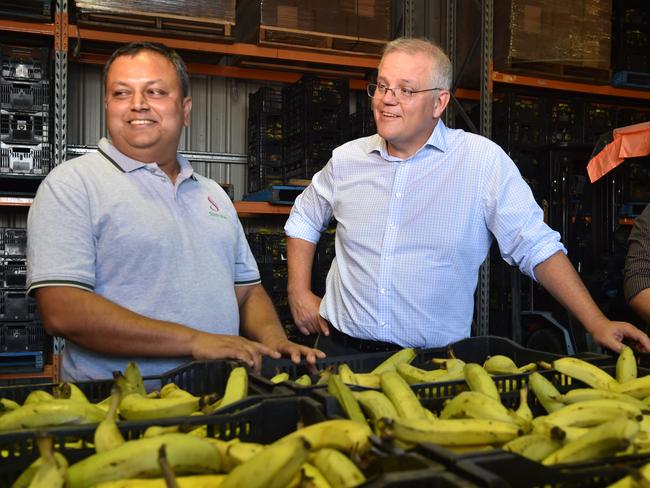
628	142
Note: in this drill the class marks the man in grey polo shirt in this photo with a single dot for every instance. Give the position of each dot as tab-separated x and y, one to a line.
133	256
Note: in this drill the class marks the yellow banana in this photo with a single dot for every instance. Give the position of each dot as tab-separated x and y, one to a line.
603	440
303	380
138	407
156	430
626	369
339	390
6	405
406	355
583	394
273	467
238	453
500	364
279	378
368	380
533	446
451	432
479	380
343	434
71	391
400	394
414	375
195	481
236	387
186	454
134	378
375	404
450	364
58	464
523	410
347	375
586	372
638	387
50	413
639	479
107	436
310	477
473	404
38	396
338	469
545	392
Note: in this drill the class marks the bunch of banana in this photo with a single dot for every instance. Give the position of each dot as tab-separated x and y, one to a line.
339	390
406	355
500	364
367	380
50	413
586	372
236	389
476	405
348	436
414	375
48	471
107	436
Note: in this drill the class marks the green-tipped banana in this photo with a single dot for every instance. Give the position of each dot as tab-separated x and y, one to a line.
343	434
533	446
626	369
186	454
51	413
545	392
338	469
107	436
236	387
339	390
586	372
604	440
451	432
347	375
479	380
400	394
273	467
406	355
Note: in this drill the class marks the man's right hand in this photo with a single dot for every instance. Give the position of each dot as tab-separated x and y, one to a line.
305	308
217	346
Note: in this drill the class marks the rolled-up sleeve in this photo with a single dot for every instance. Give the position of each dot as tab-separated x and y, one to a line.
637	263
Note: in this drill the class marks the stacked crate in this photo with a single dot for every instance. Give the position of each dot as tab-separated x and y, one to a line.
631	49
362	122
315	121
35	10
25	115
23	341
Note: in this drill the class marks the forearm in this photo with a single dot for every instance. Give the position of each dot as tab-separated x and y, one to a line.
561	280
640	303
300	255
257	316
105	327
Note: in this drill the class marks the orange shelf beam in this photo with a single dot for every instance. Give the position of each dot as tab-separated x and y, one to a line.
15	202
257	209
523	80
48	372
27	27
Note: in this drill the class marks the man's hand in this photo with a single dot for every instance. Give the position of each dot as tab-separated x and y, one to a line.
297	351
611	335
305	311
216	346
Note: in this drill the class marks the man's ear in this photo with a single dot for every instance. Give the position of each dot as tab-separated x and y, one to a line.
187	109
440	104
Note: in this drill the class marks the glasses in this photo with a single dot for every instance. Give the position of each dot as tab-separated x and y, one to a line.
401	94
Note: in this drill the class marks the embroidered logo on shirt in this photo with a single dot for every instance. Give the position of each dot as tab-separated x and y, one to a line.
214	209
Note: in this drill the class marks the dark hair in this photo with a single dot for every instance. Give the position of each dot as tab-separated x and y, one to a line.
135	47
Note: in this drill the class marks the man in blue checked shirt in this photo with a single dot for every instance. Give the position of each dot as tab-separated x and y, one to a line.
417	207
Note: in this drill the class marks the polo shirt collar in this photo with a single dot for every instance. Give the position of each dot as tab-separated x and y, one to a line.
437	140
126	164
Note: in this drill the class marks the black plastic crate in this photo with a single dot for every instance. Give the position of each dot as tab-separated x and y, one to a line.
25	159
23	336
632	115
520	121
266	100
265	140
268	248
25	95
13	242
566	121
599	118
40	10
24	127
631	36
19	362
15	305
311	150
13	273
24	63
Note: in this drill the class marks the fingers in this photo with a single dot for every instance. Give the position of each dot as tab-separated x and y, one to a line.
323	326
640	337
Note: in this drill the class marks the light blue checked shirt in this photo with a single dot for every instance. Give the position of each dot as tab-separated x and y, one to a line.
411	234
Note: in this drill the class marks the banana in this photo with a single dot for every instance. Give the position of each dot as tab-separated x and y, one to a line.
523	410
626	369
450	364
236	387
586	414
71	391
585	372
638	479
337	468
134	378
375	404
500	364
273	467
406	355
479	380
310	477
402	397
138	407
50	413
414	375
156	430
533	446
107	436
6	405
638	387
343	434
186	454
339	390
450	432
238	453
545	392
368	380
58	464
303	380
195	481
279	378
582	394
38	396
347	375
603	440
476	405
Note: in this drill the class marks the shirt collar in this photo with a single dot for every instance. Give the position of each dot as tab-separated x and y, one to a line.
126	164
437	140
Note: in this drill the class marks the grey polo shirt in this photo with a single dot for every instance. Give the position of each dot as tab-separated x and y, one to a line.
121	229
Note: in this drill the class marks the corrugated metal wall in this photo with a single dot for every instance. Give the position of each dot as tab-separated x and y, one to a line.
219	113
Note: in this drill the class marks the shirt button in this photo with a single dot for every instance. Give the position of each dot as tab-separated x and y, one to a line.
398	194
382	290
391	226
382	323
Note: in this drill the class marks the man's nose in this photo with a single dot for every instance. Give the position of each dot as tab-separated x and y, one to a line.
139	101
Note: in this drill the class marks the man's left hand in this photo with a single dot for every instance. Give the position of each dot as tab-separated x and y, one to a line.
611	335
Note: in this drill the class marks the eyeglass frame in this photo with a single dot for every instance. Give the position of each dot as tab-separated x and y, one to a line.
401	96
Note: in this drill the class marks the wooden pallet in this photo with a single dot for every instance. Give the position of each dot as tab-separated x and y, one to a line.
156	23
334	43
558	70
